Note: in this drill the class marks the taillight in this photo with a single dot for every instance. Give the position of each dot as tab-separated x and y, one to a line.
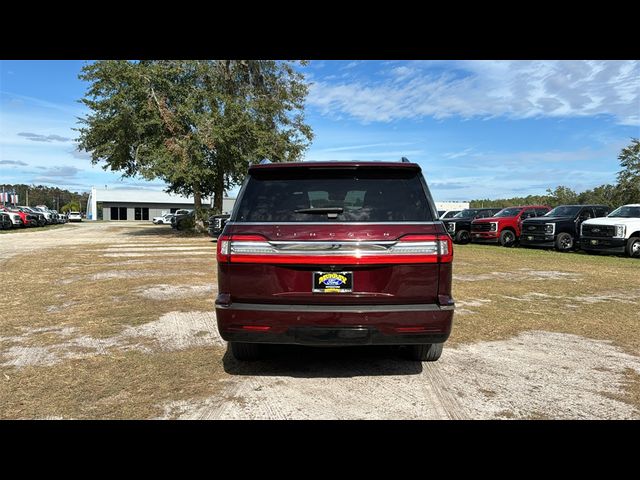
428	245
408	249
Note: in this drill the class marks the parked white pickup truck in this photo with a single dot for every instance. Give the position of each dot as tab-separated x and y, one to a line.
618	232
163	219
48	214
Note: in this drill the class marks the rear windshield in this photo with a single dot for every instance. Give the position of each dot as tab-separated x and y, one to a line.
336	195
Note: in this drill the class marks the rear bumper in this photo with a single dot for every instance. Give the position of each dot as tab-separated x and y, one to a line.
485	237
335	324
612	245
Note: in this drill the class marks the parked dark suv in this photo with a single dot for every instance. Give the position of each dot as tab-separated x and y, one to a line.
559	228
335	253
459	226
216	224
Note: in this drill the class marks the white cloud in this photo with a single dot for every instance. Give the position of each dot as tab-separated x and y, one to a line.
463	153
514	89
365	146
63	172
403	72
520	173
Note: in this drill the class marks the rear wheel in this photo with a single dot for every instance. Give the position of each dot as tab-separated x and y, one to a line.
463	237
564	242
633	247
507	238
425	353
246	351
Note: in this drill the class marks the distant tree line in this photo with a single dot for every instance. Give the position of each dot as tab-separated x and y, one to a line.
626	190
53	197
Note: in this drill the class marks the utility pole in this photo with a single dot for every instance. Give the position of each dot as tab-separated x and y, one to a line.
27	195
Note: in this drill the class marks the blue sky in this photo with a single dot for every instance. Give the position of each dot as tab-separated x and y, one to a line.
479	129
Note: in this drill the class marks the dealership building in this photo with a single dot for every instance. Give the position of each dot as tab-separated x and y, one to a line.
452	205
131	205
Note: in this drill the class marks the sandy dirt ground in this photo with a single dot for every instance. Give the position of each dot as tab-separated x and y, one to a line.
531	374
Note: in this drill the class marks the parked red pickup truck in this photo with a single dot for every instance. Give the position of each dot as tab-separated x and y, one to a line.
504	226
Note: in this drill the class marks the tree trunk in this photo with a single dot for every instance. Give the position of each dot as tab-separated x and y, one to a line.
218	193
197	204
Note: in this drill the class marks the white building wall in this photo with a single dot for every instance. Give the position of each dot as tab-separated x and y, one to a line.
452	205
228	204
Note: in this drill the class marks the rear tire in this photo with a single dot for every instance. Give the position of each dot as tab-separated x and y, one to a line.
463	237
633	247
425	353
507	238
245	351
564	242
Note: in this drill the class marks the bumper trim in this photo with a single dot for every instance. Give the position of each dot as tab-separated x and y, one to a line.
336	336
427	307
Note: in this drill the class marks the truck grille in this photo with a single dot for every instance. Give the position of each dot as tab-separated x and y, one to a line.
480	227
536	228
598	230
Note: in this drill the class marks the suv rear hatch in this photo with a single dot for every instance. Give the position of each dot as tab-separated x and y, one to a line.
338	233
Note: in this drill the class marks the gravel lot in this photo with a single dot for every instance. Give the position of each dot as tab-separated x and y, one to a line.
118	322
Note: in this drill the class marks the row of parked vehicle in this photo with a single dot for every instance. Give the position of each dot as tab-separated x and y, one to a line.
181	219
39	216
593	228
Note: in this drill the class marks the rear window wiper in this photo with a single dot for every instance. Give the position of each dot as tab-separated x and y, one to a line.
320	210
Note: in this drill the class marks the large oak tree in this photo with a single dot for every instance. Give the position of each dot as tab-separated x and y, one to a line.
196	124
629	176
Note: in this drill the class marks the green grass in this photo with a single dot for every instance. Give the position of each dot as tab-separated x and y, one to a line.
599	299
596	296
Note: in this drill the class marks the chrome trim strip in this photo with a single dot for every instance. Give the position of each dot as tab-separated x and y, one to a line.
332	247
427	307
333	242
338	247
335	223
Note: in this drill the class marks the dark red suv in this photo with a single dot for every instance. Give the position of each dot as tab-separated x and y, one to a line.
335	253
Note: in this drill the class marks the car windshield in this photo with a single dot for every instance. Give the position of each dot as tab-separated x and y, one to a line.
625	212
508	212
563	211
469	213
334	195
451	213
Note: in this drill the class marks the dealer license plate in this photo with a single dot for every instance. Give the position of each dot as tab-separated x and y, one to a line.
332	282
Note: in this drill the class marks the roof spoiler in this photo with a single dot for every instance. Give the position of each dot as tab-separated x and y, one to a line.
266	161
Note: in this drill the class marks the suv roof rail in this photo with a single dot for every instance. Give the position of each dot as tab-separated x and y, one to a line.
405	160
264	161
